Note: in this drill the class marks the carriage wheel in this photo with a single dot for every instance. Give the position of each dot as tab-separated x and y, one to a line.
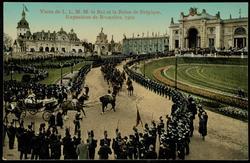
46	115
32	112
23	114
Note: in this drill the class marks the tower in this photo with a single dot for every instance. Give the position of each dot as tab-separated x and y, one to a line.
22	25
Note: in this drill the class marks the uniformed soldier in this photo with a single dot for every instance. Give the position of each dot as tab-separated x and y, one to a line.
104	150
92	144
11	132
105	139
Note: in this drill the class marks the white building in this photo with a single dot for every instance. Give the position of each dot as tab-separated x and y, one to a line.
148	44
60	41
207	31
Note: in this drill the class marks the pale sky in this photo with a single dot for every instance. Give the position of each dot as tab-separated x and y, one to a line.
89	28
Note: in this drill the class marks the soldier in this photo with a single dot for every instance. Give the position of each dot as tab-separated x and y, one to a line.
77	122
52	120
30	134
151	154
35	146
160	126
44	150
68	146
59	119
162	152
19	133
104	150
106	140
92	144
57	148
11	132
203	118
130	147
181	148
116	145
86	90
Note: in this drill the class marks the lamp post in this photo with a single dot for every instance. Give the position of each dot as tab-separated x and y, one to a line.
176	56
144	68
61	72
72	68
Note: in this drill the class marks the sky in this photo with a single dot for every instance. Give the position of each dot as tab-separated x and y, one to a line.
87	28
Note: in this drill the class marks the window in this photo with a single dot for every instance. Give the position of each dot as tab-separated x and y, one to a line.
176	43
176	32
240	31
211	42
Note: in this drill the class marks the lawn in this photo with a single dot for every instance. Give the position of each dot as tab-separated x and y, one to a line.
54	74
225	78
222	74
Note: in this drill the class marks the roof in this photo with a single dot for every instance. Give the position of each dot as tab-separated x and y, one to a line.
23	23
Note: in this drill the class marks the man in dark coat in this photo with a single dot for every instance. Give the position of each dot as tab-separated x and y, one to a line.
44	150
59	119
77	122
106	140
92	144
86	90
52	120
19	132
68	146
104	151
151	154
35	146
57	146
30	134
11	132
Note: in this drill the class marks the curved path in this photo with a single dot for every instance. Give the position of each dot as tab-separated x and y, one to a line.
227	138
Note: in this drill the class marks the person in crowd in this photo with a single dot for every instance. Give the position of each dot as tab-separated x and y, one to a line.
86	90
77	122
151	154
92	144
11	132
68	145
59	119
105	140
35	146
82	151
203	118
104	151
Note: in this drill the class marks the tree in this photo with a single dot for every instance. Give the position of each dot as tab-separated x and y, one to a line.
7	42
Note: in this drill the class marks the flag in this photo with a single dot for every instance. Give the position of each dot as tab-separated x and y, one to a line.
138	118
25	8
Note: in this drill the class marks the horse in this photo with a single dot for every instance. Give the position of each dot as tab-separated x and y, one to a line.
105	100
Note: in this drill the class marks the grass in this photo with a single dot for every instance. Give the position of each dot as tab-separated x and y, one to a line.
217	77
54	74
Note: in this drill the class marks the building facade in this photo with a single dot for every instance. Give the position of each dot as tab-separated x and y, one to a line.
202	30
60	41
104	47
140	45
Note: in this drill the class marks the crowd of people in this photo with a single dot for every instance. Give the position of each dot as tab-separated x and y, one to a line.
16	90
173	135
77	83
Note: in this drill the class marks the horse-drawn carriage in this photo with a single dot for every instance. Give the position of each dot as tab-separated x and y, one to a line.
33	106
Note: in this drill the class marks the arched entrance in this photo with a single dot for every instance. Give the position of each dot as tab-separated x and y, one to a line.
240	37
52	49
193	38
47	49
41	49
